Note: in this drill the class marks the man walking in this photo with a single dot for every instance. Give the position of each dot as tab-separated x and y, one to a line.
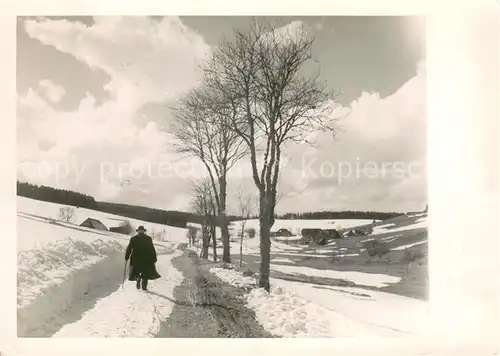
142	254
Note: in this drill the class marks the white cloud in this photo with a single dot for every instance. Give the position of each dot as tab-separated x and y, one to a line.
53	91
379	134
148	61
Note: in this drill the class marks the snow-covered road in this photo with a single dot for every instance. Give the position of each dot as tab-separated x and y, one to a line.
129	312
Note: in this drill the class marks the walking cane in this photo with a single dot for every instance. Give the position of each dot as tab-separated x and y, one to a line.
124	272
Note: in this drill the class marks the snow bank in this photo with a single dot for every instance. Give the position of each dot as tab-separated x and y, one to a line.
280	259
367	279
53	263
283	312
129	312
233	277
287	315
56	306
375	308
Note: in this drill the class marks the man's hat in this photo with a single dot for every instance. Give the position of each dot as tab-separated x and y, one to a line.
141	228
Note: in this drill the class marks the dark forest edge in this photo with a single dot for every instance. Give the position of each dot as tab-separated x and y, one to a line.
167	217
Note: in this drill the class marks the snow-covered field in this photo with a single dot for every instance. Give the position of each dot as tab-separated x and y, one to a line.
49	250
49	210
383	229
301	308
288	238
252	247
366	279
295	309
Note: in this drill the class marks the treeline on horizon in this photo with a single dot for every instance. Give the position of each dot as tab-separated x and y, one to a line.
55	195
168	217
349	214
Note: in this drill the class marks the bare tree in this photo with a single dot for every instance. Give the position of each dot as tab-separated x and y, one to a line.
259	75
202	127
245	207
204	205
66	214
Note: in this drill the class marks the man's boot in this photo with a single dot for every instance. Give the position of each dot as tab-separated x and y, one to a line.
138	283
144	284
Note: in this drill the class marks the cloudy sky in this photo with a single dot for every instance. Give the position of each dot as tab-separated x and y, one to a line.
93	98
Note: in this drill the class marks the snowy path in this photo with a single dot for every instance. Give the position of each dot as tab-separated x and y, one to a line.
129	312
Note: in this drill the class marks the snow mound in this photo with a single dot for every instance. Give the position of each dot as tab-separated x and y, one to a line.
285	314
233	277
52	263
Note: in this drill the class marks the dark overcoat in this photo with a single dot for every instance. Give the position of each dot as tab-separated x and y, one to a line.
142	254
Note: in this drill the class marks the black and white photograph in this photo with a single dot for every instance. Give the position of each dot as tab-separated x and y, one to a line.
222	177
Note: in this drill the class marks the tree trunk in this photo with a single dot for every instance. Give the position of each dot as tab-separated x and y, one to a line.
214	242
265	242
224	229
241	244
223	223
206	242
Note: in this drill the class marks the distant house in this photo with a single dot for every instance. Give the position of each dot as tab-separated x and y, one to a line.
332	234
319	236
94	224
310	233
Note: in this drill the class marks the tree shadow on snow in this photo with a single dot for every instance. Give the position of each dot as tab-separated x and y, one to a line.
167	298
